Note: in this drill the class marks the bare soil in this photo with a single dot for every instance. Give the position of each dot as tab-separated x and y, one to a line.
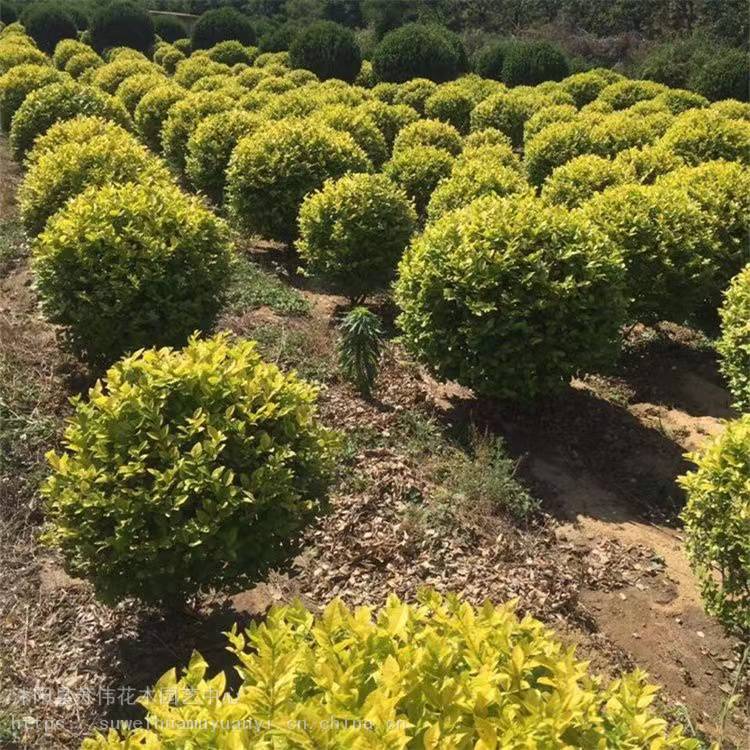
603	562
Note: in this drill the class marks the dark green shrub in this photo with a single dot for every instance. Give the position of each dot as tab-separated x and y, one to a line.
60	101
360	348
210	147
530	63
152	112
66	171
511	297
717	523
418	171
8	13
168	28
48	23
279	39
328	50
665	244
272	171
724	76
203	464
167	260
417	51
490	60
353	232
221	25
18	83
122	24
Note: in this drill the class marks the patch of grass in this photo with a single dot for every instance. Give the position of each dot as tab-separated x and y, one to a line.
12	244
296	348
252	287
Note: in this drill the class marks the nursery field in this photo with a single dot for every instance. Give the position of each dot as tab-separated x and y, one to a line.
279	345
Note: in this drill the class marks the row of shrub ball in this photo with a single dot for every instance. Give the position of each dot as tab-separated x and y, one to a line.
523	228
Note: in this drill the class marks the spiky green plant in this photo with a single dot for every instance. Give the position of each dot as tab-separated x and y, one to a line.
360	348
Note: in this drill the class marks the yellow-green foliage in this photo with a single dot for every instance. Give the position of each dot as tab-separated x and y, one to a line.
391	119
211	145
270	59
722	191
182	119
432	133
386	91
231	52
496	154
584	87
579	179
453	102
83	64
486	137
626	93
649	163
717	521
360	126
166	259
511	297
473	178
703	134
435	674
678	101
354	230
63	172
78	130
620	130
214	82
418	171
60	101
133	89
18	83
731	109
557	144
275	85
251	77
67	48
191	70
12	54
171	59
666	245
272	171
185	469
152	110
124	53
554	113
108	77
415	93
734	344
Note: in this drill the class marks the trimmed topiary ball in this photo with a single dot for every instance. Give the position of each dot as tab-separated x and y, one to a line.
704	135
360	126
453	105
723	76
585	87
122	24
60	101
717	523
194	68
210	148
167	259
429	133
353	232
67	48
546	116
734	344
666	245
152	111
109	77
171	59
390	118
230	52
272	171
491	58
731	109
82	66
221	25
475	178
133	89
12	55
168	28
415	93
47	23
184	117
327	49
417	51
626	93
530	63
187	469
649	163
511	297
419	170
556	145
581	178
18	83
66	171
